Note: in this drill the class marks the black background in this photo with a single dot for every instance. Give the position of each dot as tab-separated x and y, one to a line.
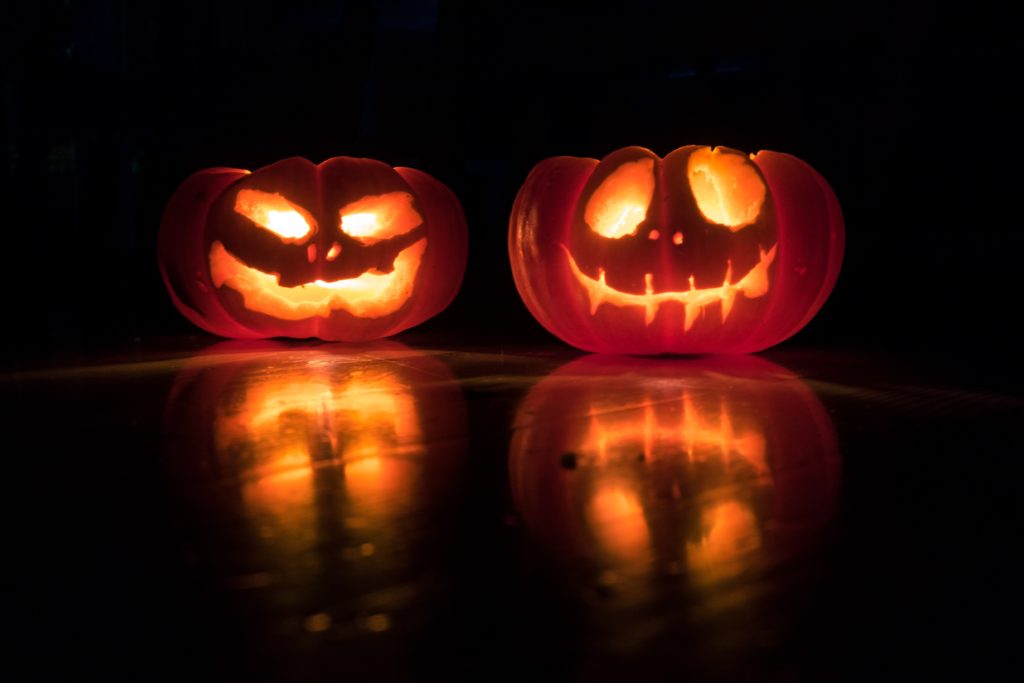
906	110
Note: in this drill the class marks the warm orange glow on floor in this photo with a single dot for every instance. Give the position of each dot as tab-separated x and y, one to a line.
727	188
754	284
361	406
379	485
379	217
670	423
617	519
291	424
361	417
667	428
729	535
698	431
620	203
273	212
371	295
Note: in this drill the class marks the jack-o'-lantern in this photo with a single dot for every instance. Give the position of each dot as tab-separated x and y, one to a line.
348	250
710	469
704	251
314	471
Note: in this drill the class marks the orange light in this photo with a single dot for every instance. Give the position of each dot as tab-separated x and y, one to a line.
729	536
669	423
727	188
378	485
617	518
620	203
379	217
703	469
273	212
753	285
360	224
672	426
291	423
370	295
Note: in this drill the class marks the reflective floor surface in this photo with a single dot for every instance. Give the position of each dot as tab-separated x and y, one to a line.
273	511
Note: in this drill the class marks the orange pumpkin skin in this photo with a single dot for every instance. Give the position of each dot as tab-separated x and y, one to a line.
703	251
347	250
716	464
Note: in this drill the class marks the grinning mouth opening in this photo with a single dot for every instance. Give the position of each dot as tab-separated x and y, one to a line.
370	295
753	285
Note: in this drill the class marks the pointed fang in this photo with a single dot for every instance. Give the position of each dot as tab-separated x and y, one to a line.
727	301
692	311
651	309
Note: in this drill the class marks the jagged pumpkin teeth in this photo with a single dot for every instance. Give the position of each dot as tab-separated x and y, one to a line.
707	250
347	250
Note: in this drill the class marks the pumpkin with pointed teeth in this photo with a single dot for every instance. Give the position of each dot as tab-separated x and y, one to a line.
347	250
705	251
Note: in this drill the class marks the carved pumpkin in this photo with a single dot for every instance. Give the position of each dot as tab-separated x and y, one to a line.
316	470
709	468
349	250
704	251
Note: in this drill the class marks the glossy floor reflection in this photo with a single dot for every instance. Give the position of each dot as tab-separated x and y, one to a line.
670	489
323	467
273	511
703	468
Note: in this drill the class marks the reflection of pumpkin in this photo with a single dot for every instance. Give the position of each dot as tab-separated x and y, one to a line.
317	466
349	250
712	466
704	251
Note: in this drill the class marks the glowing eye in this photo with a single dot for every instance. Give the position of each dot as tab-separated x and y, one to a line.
728	190
360	224
273	212
620	203
379	217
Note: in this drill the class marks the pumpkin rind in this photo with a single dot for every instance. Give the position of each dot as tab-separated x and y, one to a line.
678	281
233	277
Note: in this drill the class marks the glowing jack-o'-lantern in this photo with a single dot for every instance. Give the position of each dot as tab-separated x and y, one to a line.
349	250
316	468
708	469
704	251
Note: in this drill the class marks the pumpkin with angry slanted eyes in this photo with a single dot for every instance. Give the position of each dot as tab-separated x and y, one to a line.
705	251
347	250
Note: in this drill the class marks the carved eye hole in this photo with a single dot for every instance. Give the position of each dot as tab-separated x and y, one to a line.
274	213
620	203
379	217
729	192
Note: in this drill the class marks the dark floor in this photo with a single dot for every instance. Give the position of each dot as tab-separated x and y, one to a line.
313	512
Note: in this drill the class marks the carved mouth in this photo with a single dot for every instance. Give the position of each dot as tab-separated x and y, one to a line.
370	295
753	285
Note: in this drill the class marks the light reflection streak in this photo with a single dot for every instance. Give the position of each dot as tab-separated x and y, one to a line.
319	465
714	468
